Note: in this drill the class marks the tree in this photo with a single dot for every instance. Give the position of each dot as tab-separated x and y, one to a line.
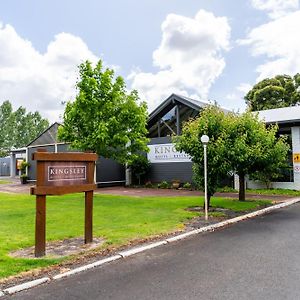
104	117
212	122
280	91
18	128
140	165
6	128
238	143
253	148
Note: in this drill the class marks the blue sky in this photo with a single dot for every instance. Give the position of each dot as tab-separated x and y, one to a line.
209	49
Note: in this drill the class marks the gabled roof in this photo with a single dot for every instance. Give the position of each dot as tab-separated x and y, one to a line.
49	136
170	102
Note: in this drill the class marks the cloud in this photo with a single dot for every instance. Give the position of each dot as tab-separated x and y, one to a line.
236	97
278	42
189	57
40	81
244	88
276	8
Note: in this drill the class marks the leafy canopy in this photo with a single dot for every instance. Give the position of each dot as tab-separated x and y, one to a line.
18	128
104	117
280	91
238	143
212	122
254	148
139	167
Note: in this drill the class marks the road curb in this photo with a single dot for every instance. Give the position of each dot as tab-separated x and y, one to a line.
25	286
130	252
87	267
141	249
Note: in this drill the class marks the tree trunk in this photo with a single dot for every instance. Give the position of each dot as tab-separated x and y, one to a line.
242	194
208	201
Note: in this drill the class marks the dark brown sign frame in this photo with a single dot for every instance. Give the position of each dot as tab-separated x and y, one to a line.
44	187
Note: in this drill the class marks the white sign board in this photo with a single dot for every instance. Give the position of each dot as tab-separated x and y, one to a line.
166	153
21	155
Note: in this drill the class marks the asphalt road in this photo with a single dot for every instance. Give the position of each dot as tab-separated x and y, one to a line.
254	259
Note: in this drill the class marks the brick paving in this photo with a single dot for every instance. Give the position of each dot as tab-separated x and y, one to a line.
16	187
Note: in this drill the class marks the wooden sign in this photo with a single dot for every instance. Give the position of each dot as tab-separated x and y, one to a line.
296	157
58	174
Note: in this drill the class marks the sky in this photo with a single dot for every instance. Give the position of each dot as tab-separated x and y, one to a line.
210	50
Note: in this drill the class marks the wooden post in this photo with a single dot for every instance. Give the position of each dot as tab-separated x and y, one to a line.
76	175
40	215
40	226
88	222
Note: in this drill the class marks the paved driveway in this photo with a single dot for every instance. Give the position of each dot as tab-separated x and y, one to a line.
254	259
16	187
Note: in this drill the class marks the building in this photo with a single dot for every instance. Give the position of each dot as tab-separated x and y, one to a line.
166	120
107	170
288	120
4	166
167	163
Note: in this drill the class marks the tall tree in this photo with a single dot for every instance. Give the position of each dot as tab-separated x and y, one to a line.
6	127
104	117
253	148
18	128
212	122
280	91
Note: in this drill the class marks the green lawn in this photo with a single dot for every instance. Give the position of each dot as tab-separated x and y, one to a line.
274	192
263	191
118	219
2	181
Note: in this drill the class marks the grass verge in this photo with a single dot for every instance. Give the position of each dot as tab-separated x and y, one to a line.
118	219
284	192
274	192
2	181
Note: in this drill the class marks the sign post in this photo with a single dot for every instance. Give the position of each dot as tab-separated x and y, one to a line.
59	174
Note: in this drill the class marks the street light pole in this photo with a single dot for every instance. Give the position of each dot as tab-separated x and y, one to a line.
205	182
205	140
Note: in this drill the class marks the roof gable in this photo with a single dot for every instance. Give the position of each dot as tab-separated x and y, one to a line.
49	136
171	102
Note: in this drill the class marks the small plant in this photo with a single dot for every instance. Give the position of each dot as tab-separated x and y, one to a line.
227	189
175	183
24	178
23	166
140	167
163	185
187	186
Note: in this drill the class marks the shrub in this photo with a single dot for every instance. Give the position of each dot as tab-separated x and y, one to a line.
187	186
140	167
23	166
163	185
175	183
227	189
